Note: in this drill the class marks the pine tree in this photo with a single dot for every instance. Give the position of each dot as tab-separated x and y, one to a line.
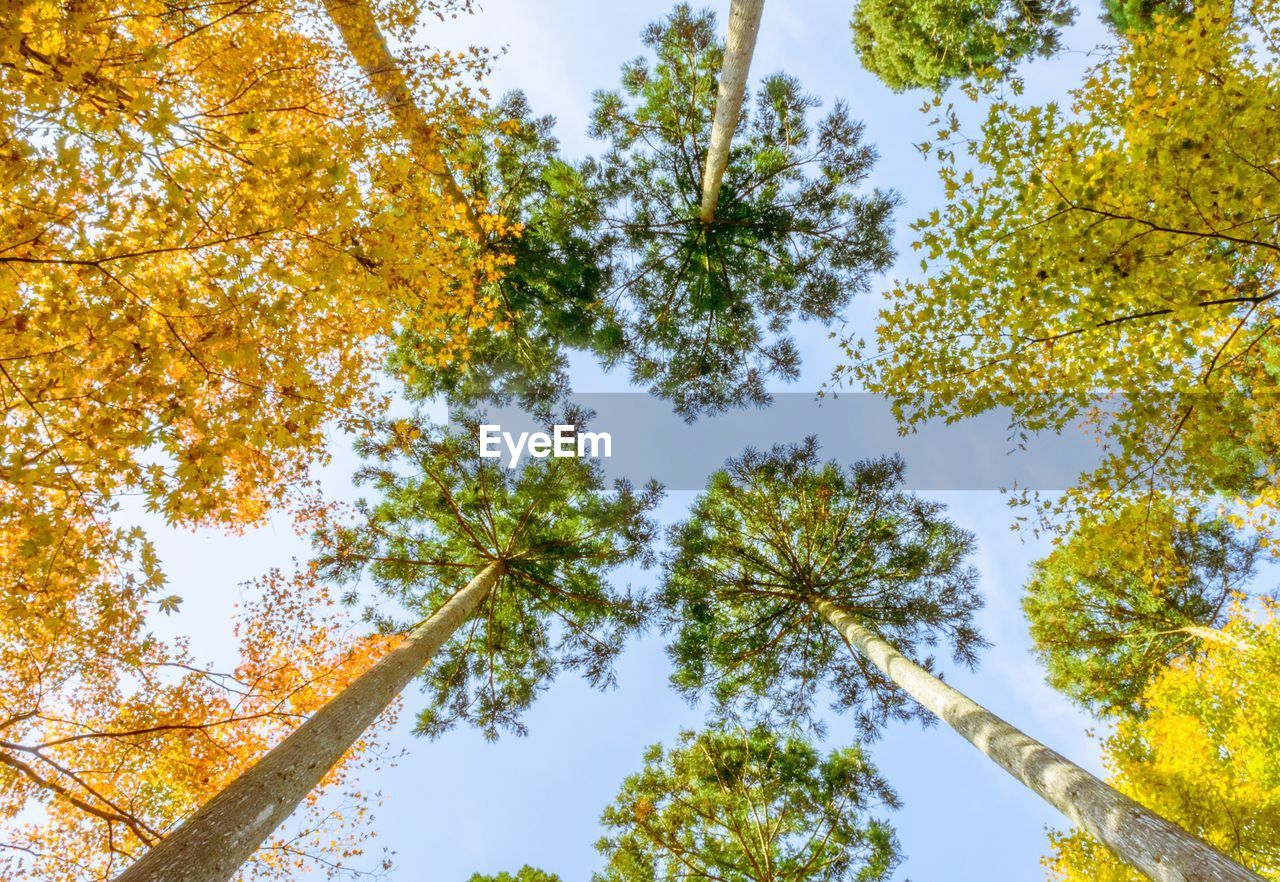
508	569
705	307
781	546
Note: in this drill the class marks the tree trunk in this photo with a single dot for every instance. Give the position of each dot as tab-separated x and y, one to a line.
1214	635
213	843
1141	838
359	29
744	27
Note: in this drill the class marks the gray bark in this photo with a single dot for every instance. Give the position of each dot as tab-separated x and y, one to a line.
1162	850
364	40
213	843
744	27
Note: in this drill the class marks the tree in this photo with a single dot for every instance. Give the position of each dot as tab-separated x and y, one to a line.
1204	755
1112	605
508	566
749	805
780	542
524	874
705	307
929	43
388	77
740	592
1115	263
93	775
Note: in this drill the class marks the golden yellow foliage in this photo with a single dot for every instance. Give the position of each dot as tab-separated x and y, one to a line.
121	742
1206	756
211	228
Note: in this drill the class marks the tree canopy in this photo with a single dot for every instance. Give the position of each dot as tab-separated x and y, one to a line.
1112	605
705	307
211	233
928	43
1123	247
193	256
524	874
1205	755
750	806
776	531
226	226
1141	15
550	292
442	514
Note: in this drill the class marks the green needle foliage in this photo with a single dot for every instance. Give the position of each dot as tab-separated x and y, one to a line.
1116	602
549	294
443	514
749	806
706	308
776	531
928	43
524	874
1135	16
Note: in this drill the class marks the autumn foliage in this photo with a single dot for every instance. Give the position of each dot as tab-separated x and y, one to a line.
1124	247
105	749
212	229
228	228
210	232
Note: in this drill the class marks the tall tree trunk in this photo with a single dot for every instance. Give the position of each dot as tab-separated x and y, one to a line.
213	843
359	29
744	27
1162	850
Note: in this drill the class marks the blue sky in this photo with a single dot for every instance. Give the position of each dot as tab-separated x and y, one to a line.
460	805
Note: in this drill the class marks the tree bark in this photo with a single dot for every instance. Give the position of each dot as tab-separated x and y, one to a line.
364	40
1162	850
744	28
213	843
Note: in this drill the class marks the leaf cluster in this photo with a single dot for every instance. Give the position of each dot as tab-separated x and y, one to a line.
1127	16
929	43
550	293
524	874
1117	601
1114	262
1205	755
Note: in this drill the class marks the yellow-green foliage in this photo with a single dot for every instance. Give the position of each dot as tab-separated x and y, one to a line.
1207	755
1128	244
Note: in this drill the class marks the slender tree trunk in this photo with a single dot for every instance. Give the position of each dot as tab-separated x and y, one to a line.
359	29
213	843
744	27
1213	635
1162	850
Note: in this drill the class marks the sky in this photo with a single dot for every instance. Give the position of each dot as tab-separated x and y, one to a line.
460	805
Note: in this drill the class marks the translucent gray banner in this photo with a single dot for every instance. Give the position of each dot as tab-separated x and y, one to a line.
646	440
